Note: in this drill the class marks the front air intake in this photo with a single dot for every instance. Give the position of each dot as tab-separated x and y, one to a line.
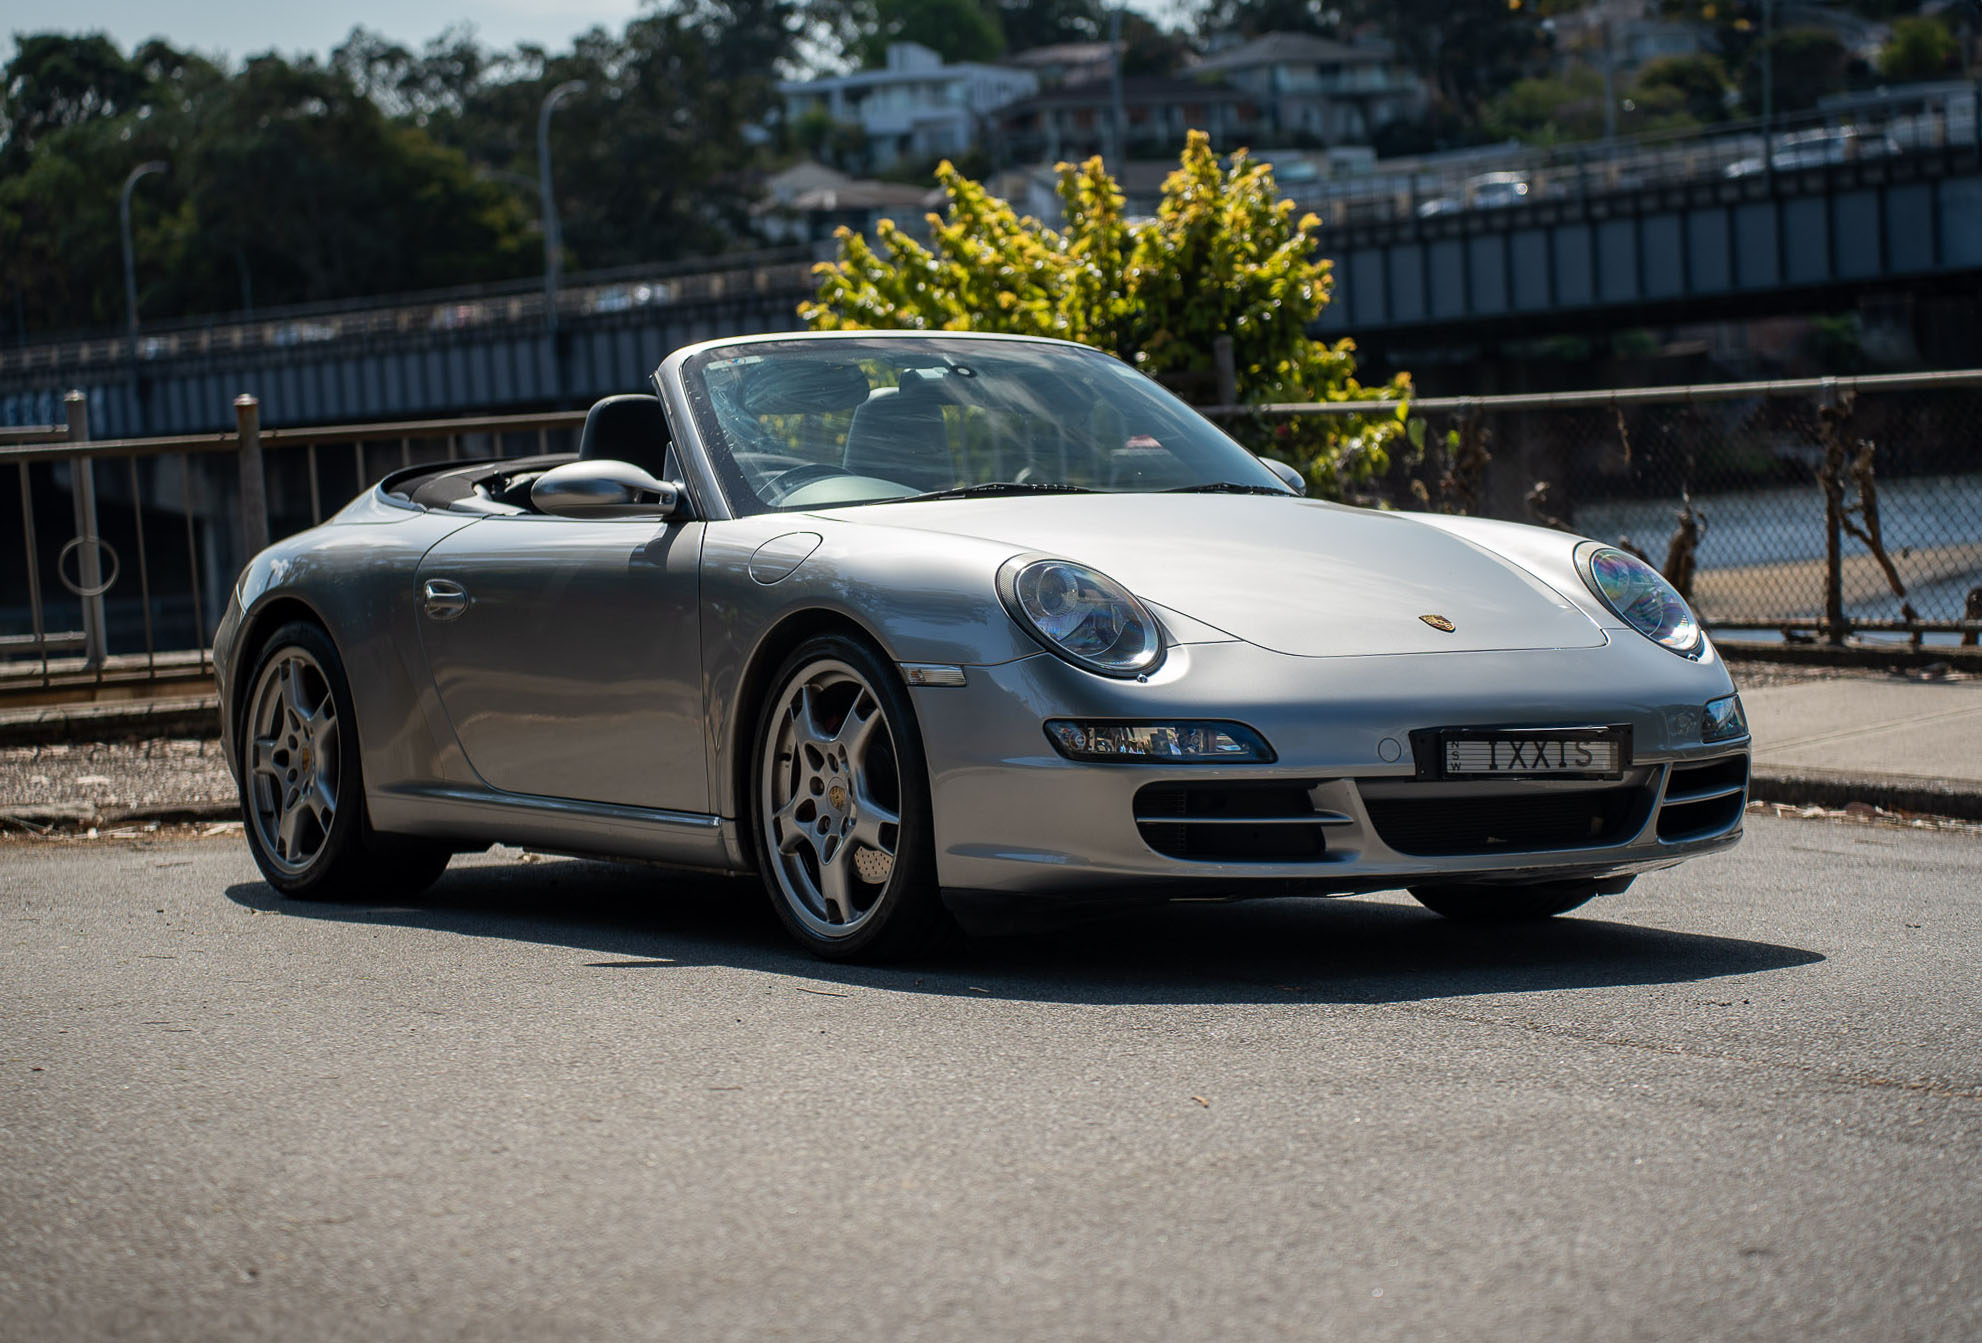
1226	822
1703	798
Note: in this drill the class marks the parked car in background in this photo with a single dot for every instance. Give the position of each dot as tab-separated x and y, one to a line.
1488	191
1815	149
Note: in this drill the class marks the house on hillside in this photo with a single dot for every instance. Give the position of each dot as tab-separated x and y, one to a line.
1065	62
808	202
915	107
1308	87
1076	119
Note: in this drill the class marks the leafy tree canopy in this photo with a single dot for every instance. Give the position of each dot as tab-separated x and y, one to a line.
1250	18
1921	48
1224	256
1809	63
383	169
957	30
1699	85
1043	23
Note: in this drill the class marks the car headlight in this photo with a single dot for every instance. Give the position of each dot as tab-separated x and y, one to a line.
1086	617
1642	598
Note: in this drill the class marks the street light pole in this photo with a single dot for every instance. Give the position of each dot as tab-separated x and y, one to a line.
130	255
1768	84
553	242
1120	137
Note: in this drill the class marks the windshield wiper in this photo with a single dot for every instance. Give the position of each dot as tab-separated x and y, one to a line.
1229	487
992	488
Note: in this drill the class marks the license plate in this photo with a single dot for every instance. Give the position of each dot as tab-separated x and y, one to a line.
1587	753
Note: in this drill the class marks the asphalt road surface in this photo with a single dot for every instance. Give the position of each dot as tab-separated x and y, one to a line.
572	1101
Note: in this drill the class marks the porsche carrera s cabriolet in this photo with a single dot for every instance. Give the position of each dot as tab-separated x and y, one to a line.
928	629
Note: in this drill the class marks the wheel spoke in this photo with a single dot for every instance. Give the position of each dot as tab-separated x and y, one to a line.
866	831
786	826
265	749
867	809
806	720
856	732
292	694
834	885
321	801
325	727
286	828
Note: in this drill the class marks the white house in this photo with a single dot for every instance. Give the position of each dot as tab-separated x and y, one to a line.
1330	91
915	106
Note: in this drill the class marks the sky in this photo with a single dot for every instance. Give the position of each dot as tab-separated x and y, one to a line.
238	28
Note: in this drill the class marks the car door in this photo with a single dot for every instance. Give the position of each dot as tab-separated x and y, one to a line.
567	654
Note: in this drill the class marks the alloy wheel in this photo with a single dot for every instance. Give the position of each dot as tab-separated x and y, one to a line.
830	797
292	760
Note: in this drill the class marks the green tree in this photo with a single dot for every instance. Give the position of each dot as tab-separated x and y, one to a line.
1224	256
1921	48
283	177
1557	109
1809	63
1149	49
1043	23
1250	18
55	82
1700	84
956	30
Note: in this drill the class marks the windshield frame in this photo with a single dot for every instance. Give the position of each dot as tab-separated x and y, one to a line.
930	350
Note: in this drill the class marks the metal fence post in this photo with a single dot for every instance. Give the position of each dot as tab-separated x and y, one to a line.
1228	372
254	490
1832	435
89	557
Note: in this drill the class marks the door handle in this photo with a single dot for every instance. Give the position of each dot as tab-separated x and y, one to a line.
444	600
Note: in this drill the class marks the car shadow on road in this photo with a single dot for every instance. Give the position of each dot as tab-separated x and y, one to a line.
1282	950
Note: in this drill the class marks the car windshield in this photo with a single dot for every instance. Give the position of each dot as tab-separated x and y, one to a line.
821	423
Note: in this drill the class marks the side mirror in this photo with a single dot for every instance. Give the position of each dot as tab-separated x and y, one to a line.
602	489
1288	475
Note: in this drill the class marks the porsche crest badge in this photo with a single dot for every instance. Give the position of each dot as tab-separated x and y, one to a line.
1439	623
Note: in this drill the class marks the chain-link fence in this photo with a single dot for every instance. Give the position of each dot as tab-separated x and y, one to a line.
1817	504
1825	506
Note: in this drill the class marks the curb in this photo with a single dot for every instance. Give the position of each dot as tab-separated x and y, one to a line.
1878	657
187	716
76	816
1835	790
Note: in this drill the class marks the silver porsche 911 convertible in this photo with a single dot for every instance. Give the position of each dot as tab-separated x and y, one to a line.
932	630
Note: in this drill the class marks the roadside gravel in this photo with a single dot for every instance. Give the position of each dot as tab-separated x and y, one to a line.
123	775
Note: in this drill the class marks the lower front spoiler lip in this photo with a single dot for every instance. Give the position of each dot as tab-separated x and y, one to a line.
1056	878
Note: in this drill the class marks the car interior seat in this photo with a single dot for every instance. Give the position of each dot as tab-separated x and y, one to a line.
630	428
899	435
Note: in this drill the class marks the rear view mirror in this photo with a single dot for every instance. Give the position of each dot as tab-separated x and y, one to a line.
602	489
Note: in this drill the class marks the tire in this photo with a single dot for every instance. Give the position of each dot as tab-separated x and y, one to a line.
840	814
303	785
1509	904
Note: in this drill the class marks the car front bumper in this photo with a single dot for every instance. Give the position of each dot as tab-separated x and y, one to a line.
1349	810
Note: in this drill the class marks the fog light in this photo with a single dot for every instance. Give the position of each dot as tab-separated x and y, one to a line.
1723	719
1179	742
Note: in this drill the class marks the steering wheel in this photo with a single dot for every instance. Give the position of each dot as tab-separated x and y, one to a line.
790	482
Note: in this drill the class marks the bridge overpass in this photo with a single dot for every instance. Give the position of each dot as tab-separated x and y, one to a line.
1803	239
1808	239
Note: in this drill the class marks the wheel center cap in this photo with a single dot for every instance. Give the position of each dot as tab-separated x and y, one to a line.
837	796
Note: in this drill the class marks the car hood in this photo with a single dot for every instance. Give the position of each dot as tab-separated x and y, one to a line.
1297	576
